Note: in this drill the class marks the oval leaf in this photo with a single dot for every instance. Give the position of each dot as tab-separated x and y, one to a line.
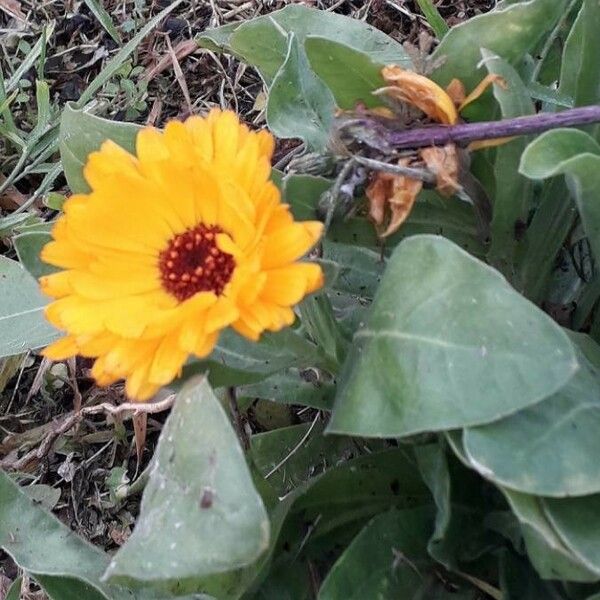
200	498
448	343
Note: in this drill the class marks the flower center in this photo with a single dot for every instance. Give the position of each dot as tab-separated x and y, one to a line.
193	263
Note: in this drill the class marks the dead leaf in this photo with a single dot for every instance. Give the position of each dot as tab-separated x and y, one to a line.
181	50
391	198
140	425
444	164
456	90
13	8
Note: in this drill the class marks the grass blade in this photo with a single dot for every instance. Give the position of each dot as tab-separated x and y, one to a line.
435	20
104	19
118	59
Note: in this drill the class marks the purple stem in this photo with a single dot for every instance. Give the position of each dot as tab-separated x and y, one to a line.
464	133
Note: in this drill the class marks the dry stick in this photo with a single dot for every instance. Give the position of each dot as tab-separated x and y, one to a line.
464	133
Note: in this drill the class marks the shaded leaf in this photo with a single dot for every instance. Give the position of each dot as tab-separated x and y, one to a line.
385	560
548	553
514	193
215	521
307	450
292	386
461	348
576	522
22	322
300	105
579	75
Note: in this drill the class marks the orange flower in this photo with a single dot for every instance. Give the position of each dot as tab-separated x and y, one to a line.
170	247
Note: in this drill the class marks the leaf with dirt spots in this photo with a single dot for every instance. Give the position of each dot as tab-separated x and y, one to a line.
201	499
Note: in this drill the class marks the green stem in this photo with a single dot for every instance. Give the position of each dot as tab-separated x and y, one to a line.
435	20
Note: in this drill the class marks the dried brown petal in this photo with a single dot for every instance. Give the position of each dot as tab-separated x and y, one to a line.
444	164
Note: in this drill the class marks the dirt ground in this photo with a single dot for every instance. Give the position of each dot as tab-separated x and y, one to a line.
77	472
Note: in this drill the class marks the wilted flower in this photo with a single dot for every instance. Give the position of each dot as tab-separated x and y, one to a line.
397	194
170	247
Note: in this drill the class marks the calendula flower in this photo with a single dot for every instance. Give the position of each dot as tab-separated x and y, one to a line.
170	247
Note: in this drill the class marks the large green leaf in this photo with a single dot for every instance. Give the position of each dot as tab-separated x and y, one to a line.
262	41
548	553
579	75
300	105
82	133
550	449
351	75
448	343
510	33
201	499
577	524
577	155
514	192
40	544
22	322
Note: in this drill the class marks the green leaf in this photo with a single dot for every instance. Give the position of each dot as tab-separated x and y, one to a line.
82	133
200	498
510	33
579	75
576	522
14	592
28	247
104	19
435	20
300	105
546	155
262	41
514	193
40	544
350	74
519	582
238	361
291	386
302	193
300	452
365	569
22	322
462	347
67	588
548	553
575	154
550	449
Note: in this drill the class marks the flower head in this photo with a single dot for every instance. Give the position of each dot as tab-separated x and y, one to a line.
170	247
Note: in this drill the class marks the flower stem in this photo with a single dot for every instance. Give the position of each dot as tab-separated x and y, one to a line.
464	133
